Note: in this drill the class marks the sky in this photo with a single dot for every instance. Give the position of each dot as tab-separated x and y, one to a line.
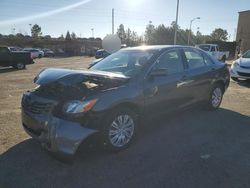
57	16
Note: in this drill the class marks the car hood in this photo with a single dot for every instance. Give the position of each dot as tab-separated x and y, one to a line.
244	62
71	77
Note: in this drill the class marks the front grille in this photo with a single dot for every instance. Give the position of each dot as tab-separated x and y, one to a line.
37	107
244	74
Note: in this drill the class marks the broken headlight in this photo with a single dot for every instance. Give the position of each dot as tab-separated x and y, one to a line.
76	106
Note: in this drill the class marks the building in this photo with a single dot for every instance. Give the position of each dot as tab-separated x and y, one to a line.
243	32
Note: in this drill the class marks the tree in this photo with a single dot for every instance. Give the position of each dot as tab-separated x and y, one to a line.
36	31
61	37
219	34
150	29
73	36
121	33
128	37
68	37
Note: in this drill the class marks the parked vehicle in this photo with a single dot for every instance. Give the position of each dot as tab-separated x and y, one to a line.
35	53
101	54
116	93
94	62
16	59
48	53
241	67
15	48
213	49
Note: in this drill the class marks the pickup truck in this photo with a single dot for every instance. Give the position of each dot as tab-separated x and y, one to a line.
213	49
16	59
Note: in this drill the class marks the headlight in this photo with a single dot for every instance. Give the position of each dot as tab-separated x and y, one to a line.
236	64
76	106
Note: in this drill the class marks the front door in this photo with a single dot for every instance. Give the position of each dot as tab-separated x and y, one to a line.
162	93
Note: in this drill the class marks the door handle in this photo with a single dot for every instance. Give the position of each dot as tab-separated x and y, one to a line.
184	81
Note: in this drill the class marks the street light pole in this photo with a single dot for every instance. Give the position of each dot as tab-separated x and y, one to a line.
176	22
30	29
189	33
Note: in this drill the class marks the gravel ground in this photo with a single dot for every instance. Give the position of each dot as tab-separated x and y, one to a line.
191	148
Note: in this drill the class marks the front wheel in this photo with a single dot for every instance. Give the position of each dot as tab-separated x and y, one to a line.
223	59
215	97
119	129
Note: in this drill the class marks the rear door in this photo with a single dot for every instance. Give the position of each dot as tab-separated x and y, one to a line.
162	92
199	74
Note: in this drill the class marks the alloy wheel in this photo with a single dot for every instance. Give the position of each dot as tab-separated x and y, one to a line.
216	97
121	130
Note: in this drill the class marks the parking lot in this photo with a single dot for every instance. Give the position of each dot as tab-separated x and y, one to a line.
190	148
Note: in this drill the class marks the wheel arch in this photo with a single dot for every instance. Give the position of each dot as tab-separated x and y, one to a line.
129	105
220	82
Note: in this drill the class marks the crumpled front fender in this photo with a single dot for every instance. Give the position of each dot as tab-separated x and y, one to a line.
65	136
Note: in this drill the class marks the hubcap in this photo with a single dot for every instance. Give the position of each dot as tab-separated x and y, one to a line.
121	130
216	97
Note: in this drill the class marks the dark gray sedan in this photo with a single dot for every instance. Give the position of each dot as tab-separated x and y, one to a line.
68	106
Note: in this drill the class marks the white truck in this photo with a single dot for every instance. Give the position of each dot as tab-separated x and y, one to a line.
213	49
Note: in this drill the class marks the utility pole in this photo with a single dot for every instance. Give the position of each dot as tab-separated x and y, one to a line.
113	21
92	29
30	29
176	22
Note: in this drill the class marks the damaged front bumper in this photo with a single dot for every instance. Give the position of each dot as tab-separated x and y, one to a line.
55	134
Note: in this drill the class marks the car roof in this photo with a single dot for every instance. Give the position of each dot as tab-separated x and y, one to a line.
155	47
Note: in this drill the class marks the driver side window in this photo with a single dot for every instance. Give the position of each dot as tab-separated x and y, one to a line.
172	61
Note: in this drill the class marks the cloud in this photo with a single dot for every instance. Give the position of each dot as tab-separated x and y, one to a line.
43	15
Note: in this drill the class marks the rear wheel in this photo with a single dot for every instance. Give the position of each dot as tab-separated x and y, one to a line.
215	97
39	56
20	66
119	130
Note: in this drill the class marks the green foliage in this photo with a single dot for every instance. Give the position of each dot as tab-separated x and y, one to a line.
121	33
68	37
36	31
149	33
219	35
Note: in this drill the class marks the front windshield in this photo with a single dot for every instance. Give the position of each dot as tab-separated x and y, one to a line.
246	55
126	62
204	47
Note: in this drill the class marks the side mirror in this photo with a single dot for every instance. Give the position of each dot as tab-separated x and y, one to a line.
158	72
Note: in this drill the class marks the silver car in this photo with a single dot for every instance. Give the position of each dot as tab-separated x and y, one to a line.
241	67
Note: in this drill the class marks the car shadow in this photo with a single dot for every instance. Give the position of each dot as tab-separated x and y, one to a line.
245	83
7	69
170	141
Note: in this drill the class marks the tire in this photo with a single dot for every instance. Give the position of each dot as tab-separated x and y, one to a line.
215	97
119	129
235	79
223	59
20	66
39	56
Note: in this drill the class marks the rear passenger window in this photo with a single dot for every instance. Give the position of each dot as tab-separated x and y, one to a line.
194	59
171	61
208	60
